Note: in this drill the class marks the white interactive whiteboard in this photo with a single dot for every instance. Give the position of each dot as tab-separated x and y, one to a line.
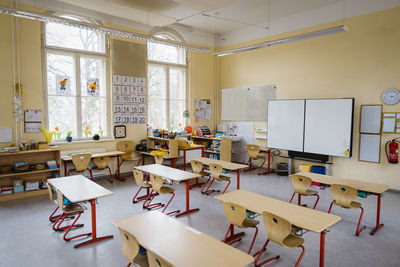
246	103
328	127
285	124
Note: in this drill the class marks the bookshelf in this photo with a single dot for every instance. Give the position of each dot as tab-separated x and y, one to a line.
225	146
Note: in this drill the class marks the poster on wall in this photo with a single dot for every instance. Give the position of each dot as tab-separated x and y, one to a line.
93	86
129	100
63	85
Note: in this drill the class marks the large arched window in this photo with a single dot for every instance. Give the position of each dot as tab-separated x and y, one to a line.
167	83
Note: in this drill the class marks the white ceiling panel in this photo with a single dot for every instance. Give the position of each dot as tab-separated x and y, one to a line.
205	5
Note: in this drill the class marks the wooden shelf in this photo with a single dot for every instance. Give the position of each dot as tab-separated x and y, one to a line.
27	152
162	149
24	194
159	138
211	152
206	138
28	172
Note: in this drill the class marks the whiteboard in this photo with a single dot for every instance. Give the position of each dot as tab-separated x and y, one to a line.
328	126
371	116
246	103
370	145
285	124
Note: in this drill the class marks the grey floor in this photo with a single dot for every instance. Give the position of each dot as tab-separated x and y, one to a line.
27	239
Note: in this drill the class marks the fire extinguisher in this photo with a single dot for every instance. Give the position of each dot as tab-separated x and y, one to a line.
393	155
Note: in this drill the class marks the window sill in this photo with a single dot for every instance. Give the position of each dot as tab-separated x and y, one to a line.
88	141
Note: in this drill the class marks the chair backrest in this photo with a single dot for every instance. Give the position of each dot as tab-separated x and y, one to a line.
101	162
277	228
81	161
157	261
138	175
236	214
216	170
126	146
253	151
300	183
51	193
343	194
158	158
197	166
130	246
60	200
156	182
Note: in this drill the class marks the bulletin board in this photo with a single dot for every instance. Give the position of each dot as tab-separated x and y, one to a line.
129	82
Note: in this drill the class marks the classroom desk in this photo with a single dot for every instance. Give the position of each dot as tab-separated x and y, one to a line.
225	165
174	175
78	188
373	188
146	153
111	154
179	244
305	218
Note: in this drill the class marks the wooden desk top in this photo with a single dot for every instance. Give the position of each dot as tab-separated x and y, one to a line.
225	164
168	172
263	148
78	188
97	155
180	244
164	156
309	219
359	185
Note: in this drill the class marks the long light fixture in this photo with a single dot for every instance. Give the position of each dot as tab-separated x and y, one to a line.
294	38
89	26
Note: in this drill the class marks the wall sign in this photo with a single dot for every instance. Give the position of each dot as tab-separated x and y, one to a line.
129	98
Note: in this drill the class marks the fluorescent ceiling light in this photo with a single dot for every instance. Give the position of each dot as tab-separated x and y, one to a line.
294	38
89	26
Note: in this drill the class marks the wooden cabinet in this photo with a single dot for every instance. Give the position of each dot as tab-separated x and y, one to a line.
31	157
225	146
157	143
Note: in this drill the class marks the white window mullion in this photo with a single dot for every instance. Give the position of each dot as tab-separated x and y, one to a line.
78	94
168	96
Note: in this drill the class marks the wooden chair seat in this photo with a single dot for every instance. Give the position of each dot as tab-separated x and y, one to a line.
146	184
132	158
292	241
310	193
247	223
262	156
353	205
73	208
166	190
223	178
202	173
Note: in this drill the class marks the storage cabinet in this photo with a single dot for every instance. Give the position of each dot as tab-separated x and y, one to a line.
31	157
225	146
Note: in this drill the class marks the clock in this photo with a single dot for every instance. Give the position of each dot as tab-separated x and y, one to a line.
391	96
119	131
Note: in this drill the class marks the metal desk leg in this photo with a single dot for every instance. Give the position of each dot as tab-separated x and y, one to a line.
188	210
238	178
94	233
378	216
322	249
65	168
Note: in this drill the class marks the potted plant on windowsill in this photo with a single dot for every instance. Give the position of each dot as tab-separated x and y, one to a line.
69	136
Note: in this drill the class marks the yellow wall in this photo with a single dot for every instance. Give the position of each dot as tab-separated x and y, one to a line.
201	81
360	63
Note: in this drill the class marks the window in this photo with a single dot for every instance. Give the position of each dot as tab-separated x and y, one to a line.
167	85
76	67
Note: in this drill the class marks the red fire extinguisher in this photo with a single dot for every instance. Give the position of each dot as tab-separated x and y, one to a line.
393	155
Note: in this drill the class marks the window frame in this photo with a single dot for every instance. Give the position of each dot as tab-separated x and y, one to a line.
167	66
77	54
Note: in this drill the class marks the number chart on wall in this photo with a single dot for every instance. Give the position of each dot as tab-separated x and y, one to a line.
129	97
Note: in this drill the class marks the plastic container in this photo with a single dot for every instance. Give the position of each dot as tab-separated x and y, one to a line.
305	167
317	169
18	189
283	169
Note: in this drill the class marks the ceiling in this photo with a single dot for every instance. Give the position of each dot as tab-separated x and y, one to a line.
228	18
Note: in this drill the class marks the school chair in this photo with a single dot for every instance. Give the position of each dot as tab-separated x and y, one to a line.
157	185
157	261
279	231
254	154
128	147
301	186
131	248
237	217
158	159
81	163
197	167
216	171
70	209
142	183
102	164
52	193
344	196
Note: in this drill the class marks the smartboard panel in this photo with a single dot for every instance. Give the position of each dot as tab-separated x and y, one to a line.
371	116
246	103
285	124
328	126
370	147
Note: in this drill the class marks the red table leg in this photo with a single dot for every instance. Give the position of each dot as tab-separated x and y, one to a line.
174	162
378	216
94	233
119	173
322	249
65	168
184	160
188	210
238	179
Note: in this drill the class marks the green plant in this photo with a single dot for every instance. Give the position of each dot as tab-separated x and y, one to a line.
69	134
